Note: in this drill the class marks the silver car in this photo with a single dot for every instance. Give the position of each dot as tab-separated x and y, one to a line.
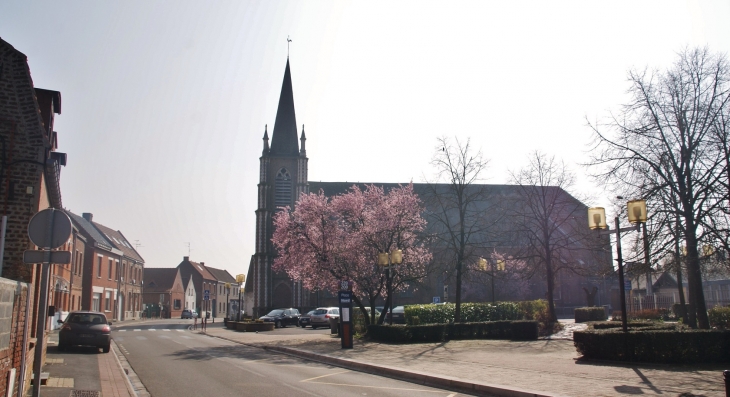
321	316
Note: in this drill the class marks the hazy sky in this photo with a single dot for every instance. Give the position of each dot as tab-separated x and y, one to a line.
165	102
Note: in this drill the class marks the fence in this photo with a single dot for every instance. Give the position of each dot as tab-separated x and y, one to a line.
665	301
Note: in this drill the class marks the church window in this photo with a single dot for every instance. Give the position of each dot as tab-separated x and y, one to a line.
282	188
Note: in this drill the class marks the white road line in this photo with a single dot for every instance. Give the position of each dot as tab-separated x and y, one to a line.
180	330
323	376
138	329
166	330
151	329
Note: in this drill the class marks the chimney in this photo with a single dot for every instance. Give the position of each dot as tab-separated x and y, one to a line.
88	216
186	258
202	263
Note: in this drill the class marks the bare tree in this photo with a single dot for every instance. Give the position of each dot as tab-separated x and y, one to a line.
549	225
665	142
457	201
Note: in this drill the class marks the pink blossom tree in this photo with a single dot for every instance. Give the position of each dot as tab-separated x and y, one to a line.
324	241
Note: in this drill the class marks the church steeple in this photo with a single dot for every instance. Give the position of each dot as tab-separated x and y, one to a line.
266	139
303	140
284	138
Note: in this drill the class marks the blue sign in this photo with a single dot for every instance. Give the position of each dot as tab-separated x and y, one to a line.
206	295
436	299
627	285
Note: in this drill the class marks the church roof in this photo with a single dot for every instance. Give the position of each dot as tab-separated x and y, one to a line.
284	138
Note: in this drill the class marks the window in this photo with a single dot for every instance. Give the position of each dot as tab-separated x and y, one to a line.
282	188
110	269
95	303
108	301
116	275
98	267
177	304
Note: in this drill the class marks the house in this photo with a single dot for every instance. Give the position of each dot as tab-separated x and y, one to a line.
227	291
163	292
203	281
130	274
190	294
29	182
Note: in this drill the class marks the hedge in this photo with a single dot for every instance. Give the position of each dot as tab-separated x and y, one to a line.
515	330
475	312
583	314
719	317
655	346
637	324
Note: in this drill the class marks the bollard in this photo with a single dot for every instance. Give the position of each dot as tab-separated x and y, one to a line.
727	382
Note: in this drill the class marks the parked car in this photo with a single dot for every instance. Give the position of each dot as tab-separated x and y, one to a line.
321	316
399	315
305	319
85	328
282	317
188	313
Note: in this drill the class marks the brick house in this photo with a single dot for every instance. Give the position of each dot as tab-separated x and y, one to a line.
131	274
29	182
202	280
164	287
100	260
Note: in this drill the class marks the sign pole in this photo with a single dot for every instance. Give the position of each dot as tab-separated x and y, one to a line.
40	333
345	300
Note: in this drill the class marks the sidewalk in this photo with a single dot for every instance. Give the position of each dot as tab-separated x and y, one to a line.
534	368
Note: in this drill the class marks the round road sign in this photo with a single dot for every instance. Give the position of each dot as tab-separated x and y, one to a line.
49	229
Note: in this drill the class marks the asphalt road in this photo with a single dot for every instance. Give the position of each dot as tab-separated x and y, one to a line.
172	361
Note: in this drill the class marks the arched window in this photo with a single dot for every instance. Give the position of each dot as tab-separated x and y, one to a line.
282	188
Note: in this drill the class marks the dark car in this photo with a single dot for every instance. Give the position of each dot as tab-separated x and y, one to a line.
305	319
399	315
187	313
85	328
282	317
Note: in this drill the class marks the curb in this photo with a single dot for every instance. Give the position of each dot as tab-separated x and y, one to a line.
426	379
134	384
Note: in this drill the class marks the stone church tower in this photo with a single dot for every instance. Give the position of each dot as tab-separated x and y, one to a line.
282	178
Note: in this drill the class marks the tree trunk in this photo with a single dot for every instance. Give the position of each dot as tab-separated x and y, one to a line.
551	288
697	307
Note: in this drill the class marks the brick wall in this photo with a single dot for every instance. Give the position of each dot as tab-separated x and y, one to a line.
12	325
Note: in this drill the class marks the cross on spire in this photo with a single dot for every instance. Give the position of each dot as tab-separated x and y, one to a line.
288	40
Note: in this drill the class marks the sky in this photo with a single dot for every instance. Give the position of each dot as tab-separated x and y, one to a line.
164	103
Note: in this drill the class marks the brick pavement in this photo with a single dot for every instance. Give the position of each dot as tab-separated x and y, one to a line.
113	380
545	367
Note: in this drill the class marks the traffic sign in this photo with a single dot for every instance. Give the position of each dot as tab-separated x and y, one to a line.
206	295
436	299
38	256
627	285
49	228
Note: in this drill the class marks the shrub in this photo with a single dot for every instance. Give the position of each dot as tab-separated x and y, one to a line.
719	317
475	312
649	314
583	314
659	346
389	333
428	332
635	325
524	330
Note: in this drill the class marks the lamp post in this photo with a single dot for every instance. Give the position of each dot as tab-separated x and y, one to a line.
483	267
228	304
240	279
387	261
597	220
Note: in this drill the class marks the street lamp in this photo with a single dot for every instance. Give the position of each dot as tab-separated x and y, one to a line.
240	279
637	216
483	267
387	260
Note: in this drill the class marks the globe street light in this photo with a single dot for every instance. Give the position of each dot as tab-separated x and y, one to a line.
597	221
387	260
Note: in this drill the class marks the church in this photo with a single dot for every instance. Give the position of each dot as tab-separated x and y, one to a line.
283	177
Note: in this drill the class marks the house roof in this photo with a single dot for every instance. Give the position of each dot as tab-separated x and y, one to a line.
200	268
221	275
91	230
284	136
159	279
119	241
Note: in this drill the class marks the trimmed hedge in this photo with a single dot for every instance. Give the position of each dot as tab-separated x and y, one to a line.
515	330
719	317
655	346
637	324
583	314
475	312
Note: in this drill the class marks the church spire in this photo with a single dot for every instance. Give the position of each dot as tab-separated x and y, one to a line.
303	140
284	137
266	139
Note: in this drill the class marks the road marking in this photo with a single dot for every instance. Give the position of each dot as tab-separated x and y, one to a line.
138	329
180	330
122	330
379	387
151	329
166	330
323	376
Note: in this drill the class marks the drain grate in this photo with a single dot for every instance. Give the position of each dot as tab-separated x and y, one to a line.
85	393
